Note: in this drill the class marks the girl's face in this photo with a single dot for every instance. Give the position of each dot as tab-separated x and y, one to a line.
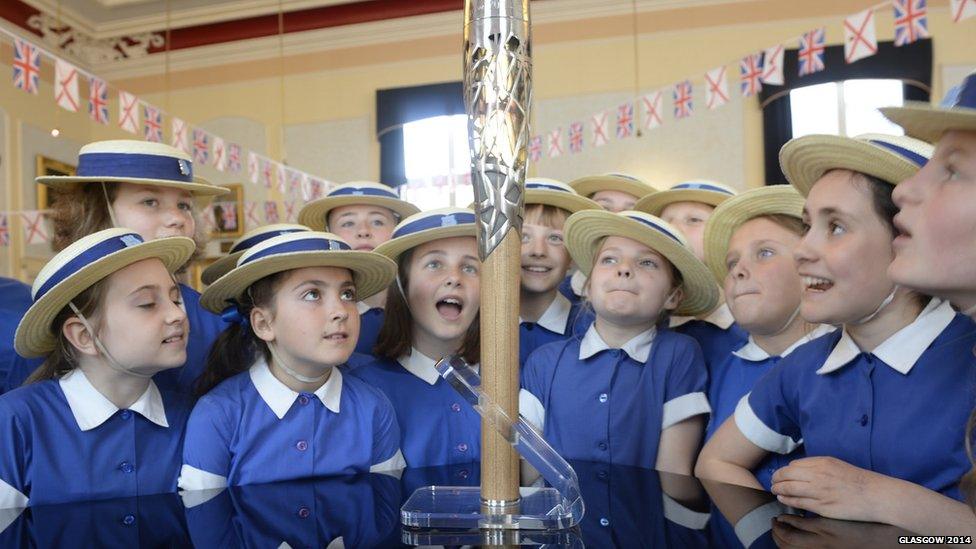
142	322
614	201
844	256
444	287
934	251
363	227
689	218
154	212
545	258
762	287
630	283
313	323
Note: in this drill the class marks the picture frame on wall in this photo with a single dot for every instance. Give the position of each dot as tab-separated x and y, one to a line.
228	212
49	166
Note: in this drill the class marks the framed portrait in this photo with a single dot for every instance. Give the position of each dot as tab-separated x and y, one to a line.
228	213
49	166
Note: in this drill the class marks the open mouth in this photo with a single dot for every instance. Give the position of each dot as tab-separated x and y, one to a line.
337	337
450	307
537	269
817	284
178	338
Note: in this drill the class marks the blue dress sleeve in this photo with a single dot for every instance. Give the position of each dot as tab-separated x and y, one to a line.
768	416
208	437
15	451
686	385
386	432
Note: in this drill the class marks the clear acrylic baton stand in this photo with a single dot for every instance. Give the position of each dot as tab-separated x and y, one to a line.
553	507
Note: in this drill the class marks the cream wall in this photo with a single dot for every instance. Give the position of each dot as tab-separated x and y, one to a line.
579	67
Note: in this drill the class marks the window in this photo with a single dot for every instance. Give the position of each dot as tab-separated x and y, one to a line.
846	108
437	162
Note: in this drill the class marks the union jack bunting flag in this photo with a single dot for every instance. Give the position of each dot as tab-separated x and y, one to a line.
535	149
625	120
233	157
66	85
811	55
751	70
717	92
294	180
4	230
153	123
860	40
253	167
27	66
201	146
219	154
911	21
962	9
128	112
180	138
576	137
683	107
773	66
555	143
270	211
599	123
98	100
651	103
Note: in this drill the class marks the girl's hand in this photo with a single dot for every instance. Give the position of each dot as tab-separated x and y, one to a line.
830	488
795	532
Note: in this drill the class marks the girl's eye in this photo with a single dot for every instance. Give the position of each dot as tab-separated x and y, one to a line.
348	295
151	202
695	220
951	173
650	263
730	264
765	253
379	223
149	305
346	224
556	238
836	229
608	260
186	206
311	295
805	228
433	264
470	269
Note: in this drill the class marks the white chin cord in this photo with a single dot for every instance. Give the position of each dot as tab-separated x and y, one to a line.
108	204
793	316
304	379
114	364
884	303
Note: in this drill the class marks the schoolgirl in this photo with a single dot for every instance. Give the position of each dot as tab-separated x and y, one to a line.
15	299
749	242
545	314
149	188
430	314
688	206
627	392
933	254
364	215
901	364
614	192
92	424
274	405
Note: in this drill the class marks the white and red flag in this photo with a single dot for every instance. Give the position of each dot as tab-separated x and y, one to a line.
860	39
716	90
66	85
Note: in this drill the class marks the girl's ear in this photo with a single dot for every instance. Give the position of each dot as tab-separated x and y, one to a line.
261	324
78	335
674	299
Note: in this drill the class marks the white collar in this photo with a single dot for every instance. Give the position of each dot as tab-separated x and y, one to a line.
362	307
92	409
280	398
637	348
556	315
420	365
903	348
721	316
754	353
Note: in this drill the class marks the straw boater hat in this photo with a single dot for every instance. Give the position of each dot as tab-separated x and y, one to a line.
371	272
131	161
587	186
734	212
890	158
223	265
707	192
585	230
924	121
426	227
79	266
316	212
550	192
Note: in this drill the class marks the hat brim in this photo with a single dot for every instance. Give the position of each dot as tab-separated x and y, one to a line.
35	335
314	213
806	159
928	123
729	216
393	249
199	187
586	229
564	200
371	273
220	267
587	186
655	203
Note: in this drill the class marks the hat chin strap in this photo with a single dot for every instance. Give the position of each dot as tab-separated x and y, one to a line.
884	303
292	373
789	321
114	364
108	204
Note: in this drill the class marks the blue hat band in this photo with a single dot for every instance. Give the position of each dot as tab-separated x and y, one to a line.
88	257
303	245
657	228
135	166
257	239
911	156
701	187
434	222
363	191
544	187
